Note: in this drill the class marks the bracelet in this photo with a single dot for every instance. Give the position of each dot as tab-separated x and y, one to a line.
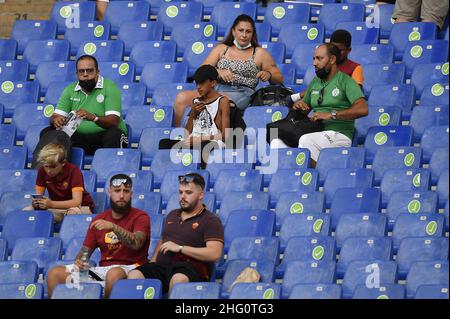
180	249
95	119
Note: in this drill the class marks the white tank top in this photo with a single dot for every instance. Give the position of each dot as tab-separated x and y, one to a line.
204	123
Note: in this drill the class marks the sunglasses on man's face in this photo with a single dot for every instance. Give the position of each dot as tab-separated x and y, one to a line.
185	179
119	181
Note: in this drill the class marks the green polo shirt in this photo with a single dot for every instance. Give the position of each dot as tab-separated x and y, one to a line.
339	94
104	100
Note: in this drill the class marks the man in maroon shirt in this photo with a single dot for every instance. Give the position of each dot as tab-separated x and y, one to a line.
123	235
192	240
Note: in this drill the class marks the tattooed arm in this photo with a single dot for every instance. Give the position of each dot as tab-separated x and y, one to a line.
133	240
80	253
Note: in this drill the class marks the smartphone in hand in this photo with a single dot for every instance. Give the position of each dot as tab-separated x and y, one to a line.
37	196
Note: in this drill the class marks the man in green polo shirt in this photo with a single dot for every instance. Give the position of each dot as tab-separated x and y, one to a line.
335	98
98	102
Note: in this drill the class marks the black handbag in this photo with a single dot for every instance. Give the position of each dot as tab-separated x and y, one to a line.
292	127
271	95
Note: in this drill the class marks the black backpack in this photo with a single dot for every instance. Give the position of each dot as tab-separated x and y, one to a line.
271	95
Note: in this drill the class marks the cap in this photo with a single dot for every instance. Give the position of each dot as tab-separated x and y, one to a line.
120	179
205	72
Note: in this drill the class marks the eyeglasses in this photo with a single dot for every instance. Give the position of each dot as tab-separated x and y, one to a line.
88	71
185	178
320	99
119	181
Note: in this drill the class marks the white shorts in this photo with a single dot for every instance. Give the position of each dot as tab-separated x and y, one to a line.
100	271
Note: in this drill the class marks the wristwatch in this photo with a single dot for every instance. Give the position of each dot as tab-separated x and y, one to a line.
180	248
95	119
333	114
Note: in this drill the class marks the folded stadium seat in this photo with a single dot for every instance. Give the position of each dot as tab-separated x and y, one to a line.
100	202
426	273
426	73
54	91
292	180
369	248
17	180
435	94
417	225
108	50
149	202
304	225
8	134
339	157
316	291
385	291
86	32
402	95
412	203
237	180
13	157
107	160
255	291
224	13
15	93
152	51
174	202
142	180
25	31
432	292
302	56
276	49
259	117
150	137
385	136
307	272
279	14
74	226
176	12
83	291
438	163
264	31
22	291
137	289
119	12
118	71
310	74
48	73
360	272
442	188
131	32
154	74
31	139
382	74
433	138
8	49
413	249
64	13
37	51
90	180
195	53
14	272
333	13
383	14
186	33
165	93
165	160
29	114
3	249
292	34
244	223
73	248
195	290
132	94
361	34
424	51
307	248
14	70
265	268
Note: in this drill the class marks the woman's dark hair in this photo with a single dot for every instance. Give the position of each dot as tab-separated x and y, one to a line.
242	18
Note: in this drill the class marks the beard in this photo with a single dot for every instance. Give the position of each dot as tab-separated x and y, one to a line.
121	210
188	207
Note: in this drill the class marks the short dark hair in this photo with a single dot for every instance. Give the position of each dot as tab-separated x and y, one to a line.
242	18
342	37
86	56
333	50
195	178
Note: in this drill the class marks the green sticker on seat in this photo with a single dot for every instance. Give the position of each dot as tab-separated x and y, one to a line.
90	48
300	159
279	12
312	33
149	293
380	138
276	116
317	227
172	11
416	51
124	68
416	180
318	253
208	30
65	12
307	178
49	110
431	228
30	291
382	297
99	31
409	159
414	206
7	87
384	119
296	208
187	159
414	36
437	89
198	47
269	294
444	68
159	115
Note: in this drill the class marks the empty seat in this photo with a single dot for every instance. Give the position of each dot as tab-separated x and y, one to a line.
224	13
426	73
174	202
382	74
25	31
3	249
66	13
433	138
152	51
21	291
132	94
74	226
316	291
385	291
259	117
402	95
439	291
86	32
333	13
132	32
372	54
279	14
137	289
442	188
51	72
171	13
14	70
276	50
8	134
424	117
424	51
255	291
438	163
142	116
154	74
37	51
15	93
164	94
186	33
404	33
149	202
195	53
382	16
107	50
242	200
54	91
119	12
8	49
292	34
13	272
426	273
255	248
80	291
302	56
17	180
237	180
13	157
149	141
195	290
264	31
74	247
119	72
360	32
435	94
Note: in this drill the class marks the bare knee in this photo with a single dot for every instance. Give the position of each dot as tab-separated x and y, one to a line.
179	278
135	274
115	274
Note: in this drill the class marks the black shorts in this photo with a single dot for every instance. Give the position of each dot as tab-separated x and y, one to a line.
165	272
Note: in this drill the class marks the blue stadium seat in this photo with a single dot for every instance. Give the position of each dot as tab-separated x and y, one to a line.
2	113
404	33
292	34
242	200
435	94
276	49
42	250
208	5
255	291
402	95
13	272
417	225
25	31
90	180
137	289
107	50
244	223
259	117
83	291
302	57
13	157
119	12
413	249
255	248
195	290
307	272
346	177
339	157
119	72
100	202
132	94
74	226
64	13
264	31
86	32
186	33
237	180
384	136
132	32
22	291
149	141
439	291
442	188
15	93
142	116
401	179
424	117
8	49
152	51
412	203
174	202
304	225
425	73
195	53
378	115
438	163
333	13
364	272
149	202
158	73
74	247
385	291
175	12
48	73
363	248
165	93
54	91
224	13
383	19
142	180
37	51
316	291
426	273
307	249
14	70
107	160
3	249
361	34
424	51
433	138
382	74
17	180
279	14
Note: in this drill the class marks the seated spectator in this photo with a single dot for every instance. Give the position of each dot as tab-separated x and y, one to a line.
421	10
183	255
335	98
102	5
241	64
123	235
65	185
